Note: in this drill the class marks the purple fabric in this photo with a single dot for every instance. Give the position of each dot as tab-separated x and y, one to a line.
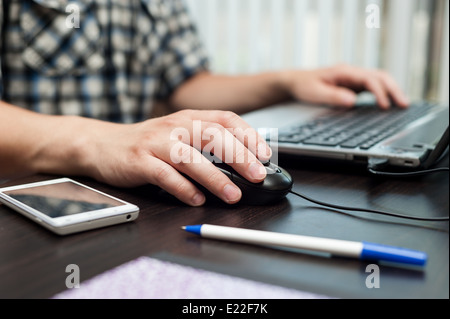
149	278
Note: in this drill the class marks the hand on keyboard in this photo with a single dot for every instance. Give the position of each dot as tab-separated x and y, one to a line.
338	85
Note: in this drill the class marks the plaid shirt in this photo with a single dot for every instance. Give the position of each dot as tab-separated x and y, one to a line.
125	55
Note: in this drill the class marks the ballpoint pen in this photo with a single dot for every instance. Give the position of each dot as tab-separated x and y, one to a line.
344	248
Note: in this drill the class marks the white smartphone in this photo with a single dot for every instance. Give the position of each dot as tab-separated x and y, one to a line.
65	206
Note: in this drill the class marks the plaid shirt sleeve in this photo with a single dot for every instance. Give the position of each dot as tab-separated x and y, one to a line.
122	57
182	52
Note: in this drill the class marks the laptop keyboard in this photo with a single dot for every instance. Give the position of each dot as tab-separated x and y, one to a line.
361	127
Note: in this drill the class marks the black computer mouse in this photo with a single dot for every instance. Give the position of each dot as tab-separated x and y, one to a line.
274	188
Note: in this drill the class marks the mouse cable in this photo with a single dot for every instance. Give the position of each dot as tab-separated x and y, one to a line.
374	166
368	210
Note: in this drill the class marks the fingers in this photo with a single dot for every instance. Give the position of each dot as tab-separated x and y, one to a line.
169	179
334	95
377	87
242	131
209	176
393	89
380	83
197	135
233	141
230	149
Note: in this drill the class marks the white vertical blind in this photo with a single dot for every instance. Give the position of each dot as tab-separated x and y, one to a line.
233	34
372	37
211	27
301	8
398	50
350	30
254	21
258	35
278	14
419	46
325	30
444	76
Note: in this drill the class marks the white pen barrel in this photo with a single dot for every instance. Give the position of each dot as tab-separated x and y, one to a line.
333	246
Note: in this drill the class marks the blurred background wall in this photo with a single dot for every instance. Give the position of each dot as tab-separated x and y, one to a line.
408	38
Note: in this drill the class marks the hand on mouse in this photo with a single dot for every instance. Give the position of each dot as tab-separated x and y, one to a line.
129	155
150	152
338	85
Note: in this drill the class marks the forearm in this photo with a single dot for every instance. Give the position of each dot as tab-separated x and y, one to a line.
37	143
233	93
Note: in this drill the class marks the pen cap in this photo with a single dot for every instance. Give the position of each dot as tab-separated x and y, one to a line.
195	229
394	254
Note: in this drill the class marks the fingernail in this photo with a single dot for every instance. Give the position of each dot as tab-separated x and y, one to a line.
257	171
348	99
198	199
232	193
264	151
385	104
405	100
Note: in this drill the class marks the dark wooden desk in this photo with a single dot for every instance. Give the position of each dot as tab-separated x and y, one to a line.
33	260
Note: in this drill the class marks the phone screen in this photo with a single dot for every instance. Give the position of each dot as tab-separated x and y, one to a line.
62	199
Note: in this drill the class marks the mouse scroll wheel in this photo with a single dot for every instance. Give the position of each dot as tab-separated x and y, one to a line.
271	168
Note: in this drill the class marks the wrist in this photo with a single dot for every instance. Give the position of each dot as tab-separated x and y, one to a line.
287	80
277	87
68	147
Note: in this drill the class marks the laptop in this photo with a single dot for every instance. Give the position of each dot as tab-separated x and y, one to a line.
413	138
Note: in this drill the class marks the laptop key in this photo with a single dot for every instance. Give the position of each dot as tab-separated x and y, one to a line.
351	144
289	139
368	128
319	142
327	141
293	137
355	142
